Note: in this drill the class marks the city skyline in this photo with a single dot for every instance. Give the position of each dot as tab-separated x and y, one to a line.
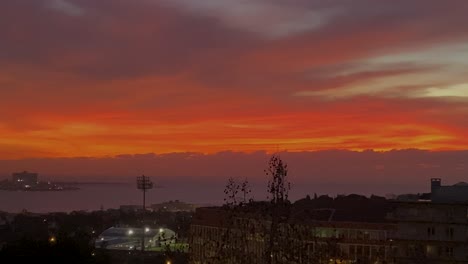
102	79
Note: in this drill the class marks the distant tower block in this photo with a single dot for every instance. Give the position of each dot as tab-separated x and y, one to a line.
435	184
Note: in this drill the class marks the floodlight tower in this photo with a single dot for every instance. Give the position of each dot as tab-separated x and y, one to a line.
144	183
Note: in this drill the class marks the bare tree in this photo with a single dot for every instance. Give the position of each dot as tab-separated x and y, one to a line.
279	207
278	185
289	234
245	189
230	244
268	232
231	191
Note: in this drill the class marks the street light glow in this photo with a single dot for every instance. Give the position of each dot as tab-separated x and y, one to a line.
130	232
147	229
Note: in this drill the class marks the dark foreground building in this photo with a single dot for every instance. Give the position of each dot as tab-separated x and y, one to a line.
429	229
305	235
434	227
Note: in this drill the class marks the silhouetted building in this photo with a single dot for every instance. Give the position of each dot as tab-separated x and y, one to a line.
131	208
450	193
433	227
173	206
430	232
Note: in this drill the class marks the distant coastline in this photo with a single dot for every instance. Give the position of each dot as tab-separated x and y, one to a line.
39	189
54	186
91	183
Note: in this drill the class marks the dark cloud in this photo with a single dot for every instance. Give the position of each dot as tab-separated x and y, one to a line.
111	39
124	39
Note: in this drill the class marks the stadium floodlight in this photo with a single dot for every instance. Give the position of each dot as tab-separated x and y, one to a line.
144	183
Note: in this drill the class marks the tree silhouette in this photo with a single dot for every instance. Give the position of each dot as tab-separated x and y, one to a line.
279	209
269	232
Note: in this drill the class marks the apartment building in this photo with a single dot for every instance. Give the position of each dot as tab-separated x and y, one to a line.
306	241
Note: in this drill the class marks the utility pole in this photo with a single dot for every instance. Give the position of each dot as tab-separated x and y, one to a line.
144	183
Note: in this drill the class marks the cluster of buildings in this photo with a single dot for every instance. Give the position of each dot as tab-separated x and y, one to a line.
169	206
28	181
431	228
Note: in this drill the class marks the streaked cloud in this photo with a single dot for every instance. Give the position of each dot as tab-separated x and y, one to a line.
460	90
271	19
67	7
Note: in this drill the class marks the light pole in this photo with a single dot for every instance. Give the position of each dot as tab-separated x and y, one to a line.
144	183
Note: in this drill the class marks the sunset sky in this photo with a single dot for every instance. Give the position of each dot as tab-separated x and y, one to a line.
88	78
